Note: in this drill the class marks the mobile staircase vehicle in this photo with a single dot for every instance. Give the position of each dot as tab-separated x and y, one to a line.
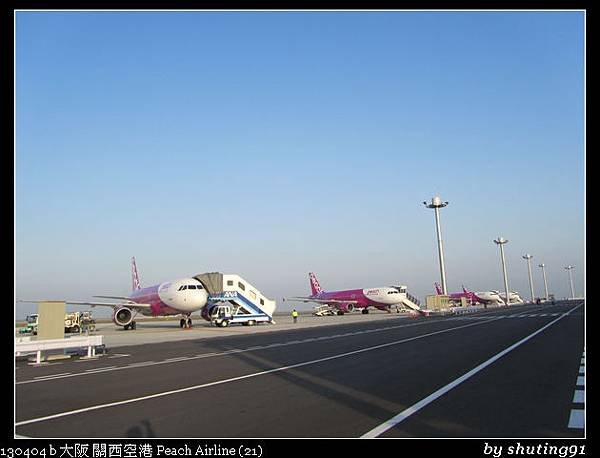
409	301
233	300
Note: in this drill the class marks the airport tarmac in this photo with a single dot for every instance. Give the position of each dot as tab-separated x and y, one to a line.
167	330
508	372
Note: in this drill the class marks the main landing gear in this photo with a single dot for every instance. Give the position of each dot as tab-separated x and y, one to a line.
131	326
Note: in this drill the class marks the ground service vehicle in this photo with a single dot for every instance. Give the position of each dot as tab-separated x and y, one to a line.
74	323
224	315
79	321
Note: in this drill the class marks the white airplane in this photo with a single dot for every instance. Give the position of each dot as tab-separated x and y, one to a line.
490	297
513	297
177	297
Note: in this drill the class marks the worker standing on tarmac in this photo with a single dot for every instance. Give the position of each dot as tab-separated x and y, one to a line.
295	315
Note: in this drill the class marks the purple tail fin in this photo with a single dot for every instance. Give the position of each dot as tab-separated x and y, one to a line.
314	284
438	288
135	279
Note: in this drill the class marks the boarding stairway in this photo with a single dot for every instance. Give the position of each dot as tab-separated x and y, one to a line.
412	303
248	304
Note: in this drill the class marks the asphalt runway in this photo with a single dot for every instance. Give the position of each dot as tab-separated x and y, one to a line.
502	373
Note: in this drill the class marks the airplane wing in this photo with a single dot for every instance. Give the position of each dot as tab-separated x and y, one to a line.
122	298
123	303
321	301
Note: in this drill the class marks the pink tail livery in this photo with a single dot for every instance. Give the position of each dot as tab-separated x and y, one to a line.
314	284
438	288
135	279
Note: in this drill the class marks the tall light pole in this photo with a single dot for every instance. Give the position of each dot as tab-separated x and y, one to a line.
436	204
569	268
528	258
501	241
543	266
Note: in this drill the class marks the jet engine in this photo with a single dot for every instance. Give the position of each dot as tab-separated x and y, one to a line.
346	308
122	316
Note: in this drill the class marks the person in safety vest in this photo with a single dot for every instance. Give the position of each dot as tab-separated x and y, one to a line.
295	315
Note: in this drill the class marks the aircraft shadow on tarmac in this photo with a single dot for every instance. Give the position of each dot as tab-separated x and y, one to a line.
316	400
331	397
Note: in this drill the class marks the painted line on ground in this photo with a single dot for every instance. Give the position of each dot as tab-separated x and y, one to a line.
383	427
103	368
577	415
490	314
244	377
52	375
229	352
577	419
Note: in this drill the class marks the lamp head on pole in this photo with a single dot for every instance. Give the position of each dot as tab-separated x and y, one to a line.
500	241
527	256
542	265
436	202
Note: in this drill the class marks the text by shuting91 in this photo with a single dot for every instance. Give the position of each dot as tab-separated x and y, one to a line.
519	449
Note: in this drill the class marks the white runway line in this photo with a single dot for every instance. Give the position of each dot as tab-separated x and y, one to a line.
577	419
579	397
228	352
41	377
243	377
98	369
577	416
432	397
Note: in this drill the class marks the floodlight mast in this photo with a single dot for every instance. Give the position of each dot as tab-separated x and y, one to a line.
528	258
569	269
502	241
543	266
436	204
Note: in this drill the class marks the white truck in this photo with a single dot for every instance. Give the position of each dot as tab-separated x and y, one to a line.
224	315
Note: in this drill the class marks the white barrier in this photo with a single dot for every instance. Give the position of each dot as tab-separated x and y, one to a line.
24	346
468	309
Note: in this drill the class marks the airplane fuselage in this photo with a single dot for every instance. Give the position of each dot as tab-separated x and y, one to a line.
182	296
381	297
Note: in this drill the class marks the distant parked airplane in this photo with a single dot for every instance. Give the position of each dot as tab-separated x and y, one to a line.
178	297
382	298
513	297
489	297
472	297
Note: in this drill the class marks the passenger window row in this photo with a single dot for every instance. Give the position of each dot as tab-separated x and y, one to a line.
182	287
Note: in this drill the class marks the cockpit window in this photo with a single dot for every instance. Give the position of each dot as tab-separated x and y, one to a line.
191	287
182	287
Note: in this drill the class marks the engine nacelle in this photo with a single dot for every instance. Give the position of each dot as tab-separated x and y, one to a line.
346	308
122	316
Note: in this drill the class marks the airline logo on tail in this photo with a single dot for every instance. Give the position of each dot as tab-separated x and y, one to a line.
438	288
314	284
135	279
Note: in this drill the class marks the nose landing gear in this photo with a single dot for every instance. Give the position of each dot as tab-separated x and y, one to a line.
185	323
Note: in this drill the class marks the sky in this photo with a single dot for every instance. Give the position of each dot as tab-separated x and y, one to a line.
273	144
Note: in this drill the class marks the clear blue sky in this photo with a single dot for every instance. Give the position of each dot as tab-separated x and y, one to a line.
271	144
